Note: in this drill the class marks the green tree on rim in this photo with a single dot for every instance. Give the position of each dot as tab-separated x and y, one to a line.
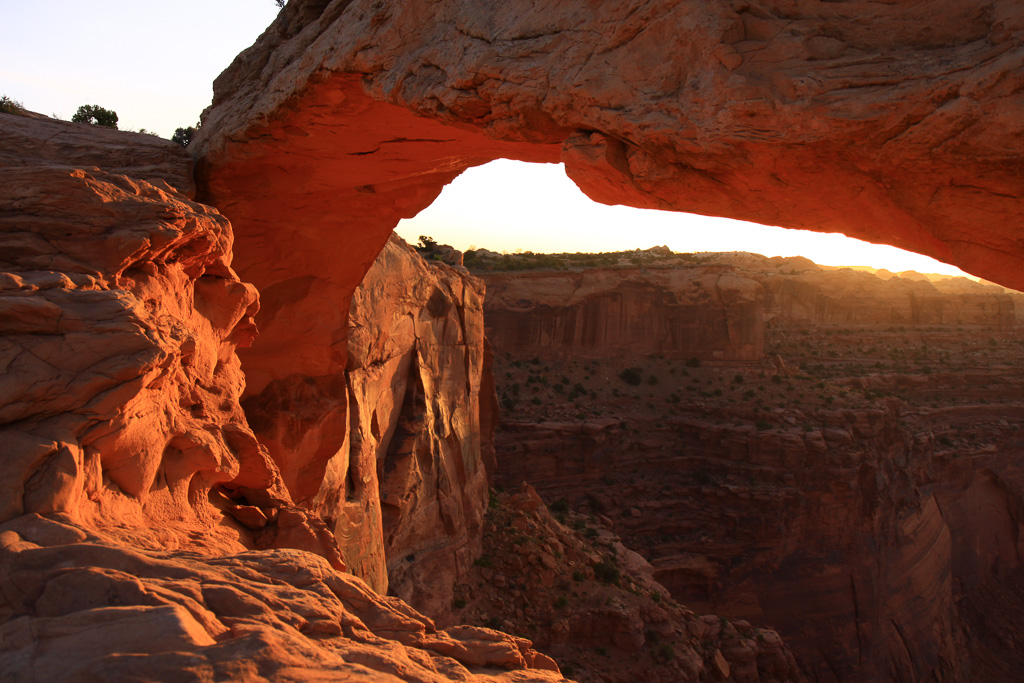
96	115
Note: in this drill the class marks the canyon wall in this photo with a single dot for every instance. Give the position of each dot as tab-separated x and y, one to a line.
415	481
710	313
714	309
145	532
877	535
897	123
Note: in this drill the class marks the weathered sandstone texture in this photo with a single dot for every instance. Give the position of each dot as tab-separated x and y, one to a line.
898	123
121	316
712	312
78	606
710	306
141	522
411	489
860	491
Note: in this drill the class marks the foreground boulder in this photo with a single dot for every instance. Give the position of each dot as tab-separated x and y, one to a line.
80	607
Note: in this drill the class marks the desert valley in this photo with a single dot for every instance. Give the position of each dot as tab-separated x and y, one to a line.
248	434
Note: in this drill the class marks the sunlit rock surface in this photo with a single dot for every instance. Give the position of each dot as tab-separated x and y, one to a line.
411	490
79	607
121	316
145	533
897	123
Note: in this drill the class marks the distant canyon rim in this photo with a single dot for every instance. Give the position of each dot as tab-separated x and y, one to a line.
184	496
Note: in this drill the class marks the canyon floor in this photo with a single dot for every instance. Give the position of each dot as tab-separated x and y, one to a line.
857	490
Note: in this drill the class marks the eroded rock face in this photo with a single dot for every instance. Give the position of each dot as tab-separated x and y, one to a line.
79	606
897	123
790	492
121	316
138	508
408	495
709	313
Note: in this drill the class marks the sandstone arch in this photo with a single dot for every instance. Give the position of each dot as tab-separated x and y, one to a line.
893	122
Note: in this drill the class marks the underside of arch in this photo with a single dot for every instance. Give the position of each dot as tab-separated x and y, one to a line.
899	123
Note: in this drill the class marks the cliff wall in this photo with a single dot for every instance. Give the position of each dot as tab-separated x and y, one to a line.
420	436
681	313
714	310
145	532
898	123
790	492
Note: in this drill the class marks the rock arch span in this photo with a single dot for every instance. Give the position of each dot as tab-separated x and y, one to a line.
898	123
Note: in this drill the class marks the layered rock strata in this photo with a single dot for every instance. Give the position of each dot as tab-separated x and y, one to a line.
895	123
80	606
139	509
121	316
876	535
408	496
711	313
711	306
592	603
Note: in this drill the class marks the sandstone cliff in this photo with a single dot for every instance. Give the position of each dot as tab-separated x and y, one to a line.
898	123
139	509
707	306
682	313
420	440
789	492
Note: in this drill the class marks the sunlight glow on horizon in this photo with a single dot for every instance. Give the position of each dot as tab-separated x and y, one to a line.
154	64
508	205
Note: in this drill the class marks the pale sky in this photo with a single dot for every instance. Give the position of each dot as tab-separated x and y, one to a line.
151	62
154	64
509	205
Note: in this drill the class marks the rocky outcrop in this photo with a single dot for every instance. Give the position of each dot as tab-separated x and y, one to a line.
411	491
121	316
591	603
141	521
812	295
828	542
79	606
793	494
708	313
874	120
895	123
708	306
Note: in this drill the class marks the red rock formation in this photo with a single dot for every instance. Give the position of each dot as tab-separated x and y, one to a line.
713	310
820	297
136	499
872	119
81	606
591	603
412	488
876	536
121	318
896	123
709	313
